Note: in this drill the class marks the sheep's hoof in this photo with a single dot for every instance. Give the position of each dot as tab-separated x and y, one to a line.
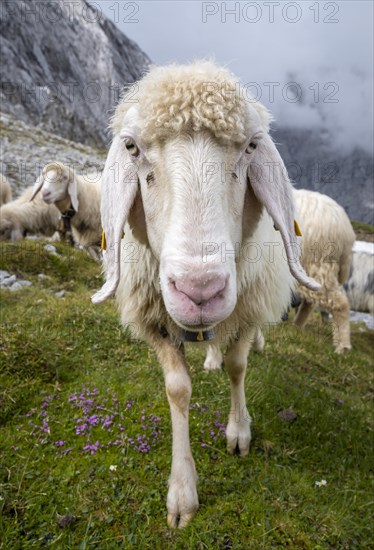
179	521
234	447
341	350
182	500
238	438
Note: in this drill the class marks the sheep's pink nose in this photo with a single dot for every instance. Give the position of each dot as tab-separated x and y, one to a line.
201	290
45	195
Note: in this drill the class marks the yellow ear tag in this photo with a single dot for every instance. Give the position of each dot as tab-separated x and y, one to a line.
200	336
103	240
297	229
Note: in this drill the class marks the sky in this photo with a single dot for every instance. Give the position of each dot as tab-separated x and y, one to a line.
311	63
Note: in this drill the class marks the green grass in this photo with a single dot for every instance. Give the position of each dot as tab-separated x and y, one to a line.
66	363
363	228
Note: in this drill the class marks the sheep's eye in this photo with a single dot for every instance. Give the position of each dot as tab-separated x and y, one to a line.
132	148
235	176
251	147
150	178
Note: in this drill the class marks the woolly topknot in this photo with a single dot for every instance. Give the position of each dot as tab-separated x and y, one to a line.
199	96
59	167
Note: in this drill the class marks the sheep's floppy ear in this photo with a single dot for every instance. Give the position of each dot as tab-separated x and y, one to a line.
73	191
118	190
37	186
270	183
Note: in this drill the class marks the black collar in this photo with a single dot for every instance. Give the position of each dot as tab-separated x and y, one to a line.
189	335
67	217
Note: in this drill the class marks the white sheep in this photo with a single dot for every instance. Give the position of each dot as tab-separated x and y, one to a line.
5	190
327	243
177	172
77	197
360	285
21	217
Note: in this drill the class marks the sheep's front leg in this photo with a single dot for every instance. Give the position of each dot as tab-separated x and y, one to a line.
238	431
182	499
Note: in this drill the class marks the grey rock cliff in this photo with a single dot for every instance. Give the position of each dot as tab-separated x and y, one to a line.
63	65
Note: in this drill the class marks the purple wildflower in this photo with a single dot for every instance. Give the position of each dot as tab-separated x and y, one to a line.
80	429
66	451
92	448
45	427
108	420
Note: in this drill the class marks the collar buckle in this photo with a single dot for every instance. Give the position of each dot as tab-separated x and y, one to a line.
199	336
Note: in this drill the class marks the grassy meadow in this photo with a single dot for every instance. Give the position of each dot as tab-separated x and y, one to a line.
85	444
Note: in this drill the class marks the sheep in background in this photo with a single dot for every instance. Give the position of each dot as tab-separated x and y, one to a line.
326	256
179	171
5	190
77	197
21	217
360	285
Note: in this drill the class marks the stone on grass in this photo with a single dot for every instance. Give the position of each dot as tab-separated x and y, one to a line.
20	284
51	249
287	415
8	281
4	274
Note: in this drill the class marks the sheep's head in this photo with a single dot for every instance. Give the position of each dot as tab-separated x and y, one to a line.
189	146
57	184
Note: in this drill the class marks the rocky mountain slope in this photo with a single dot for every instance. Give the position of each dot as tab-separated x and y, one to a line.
63	65
26	149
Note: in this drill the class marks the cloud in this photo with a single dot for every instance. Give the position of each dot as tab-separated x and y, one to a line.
325	47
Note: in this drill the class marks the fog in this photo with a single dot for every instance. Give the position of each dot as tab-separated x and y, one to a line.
311	63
